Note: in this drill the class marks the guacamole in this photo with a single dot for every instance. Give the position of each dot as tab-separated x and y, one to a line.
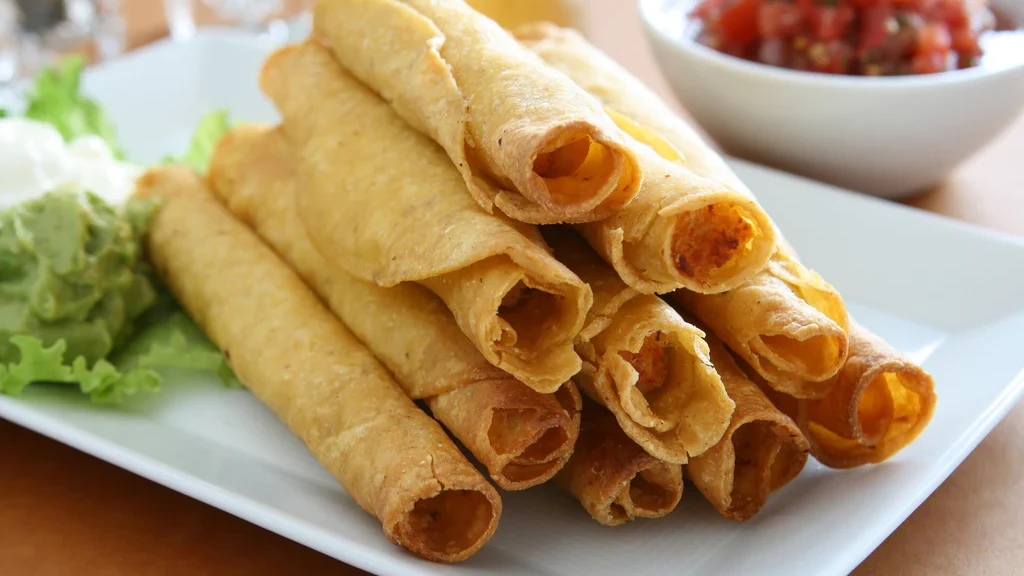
72	269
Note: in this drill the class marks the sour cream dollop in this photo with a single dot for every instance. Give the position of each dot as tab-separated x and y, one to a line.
34	159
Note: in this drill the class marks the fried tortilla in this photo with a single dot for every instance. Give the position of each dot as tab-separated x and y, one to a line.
878	404
761	451
615	479
786	322
383	202
293	354
684	229
644	363
521	436
524	138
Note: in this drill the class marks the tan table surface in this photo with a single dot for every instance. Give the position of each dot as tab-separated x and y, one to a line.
64	512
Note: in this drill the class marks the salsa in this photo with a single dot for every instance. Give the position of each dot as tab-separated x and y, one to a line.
858	37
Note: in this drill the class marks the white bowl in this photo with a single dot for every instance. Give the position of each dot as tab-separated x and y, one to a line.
889	136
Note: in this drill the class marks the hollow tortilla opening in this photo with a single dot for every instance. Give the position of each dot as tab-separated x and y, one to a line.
535	318
709	242
816	357
651	489
575	167
669	385
520	473
788	462
552	441
756	446
651	363
448	523
875	410
617	514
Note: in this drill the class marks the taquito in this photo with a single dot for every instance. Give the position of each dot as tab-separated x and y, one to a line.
521	436
644	363
392	459
682	230
524	138
786	322
762	450
385	203
879	403
615	479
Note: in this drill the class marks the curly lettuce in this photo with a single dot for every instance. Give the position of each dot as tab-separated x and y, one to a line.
211	128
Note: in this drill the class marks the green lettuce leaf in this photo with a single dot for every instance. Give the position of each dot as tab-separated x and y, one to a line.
103	382
57	99
208	132
174	341
166	338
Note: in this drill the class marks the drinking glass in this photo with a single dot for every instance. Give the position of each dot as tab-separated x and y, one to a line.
35	32
273	17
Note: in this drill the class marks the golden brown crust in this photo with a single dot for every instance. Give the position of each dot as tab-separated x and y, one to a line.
879	403
761	451
521	436
613	478
683	229
525	139
789	342
688	412
362	169
786	322
391	458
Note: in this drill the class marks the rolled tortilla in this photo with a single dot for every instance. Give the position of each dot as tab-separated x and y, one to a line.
879	403
392	459
644	363
524	138
384	203
762	450
615	479
521	436
683	231
786	322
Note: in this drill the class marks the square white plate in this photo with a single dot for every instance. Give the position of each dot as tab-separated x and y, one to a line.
950	295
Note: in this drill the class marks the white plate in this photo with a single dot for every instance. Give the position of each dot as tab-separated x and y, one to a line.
948	294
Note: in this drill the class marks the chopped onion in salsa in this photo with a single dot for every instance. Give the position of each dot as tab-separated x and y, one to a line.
859	37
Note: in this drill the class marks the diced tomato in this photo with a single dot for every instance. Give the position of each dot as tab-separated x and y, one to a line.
923	6
933	38
875	26
965	42
779	19
953	12
831	22
929	63
871	37
738	22
707	9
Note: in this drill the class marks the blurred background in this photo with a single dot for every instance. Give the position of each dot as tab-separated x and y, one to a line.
36	32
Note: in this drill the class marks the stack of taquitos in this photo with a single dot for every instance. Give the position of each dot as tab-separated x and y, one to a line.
391	458
385	204
614	478
877	405
521	436
760	452
524	138
644	363
786	322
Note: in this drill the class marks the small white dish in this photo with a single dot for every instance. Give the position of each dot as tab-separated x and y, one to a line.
947	294
888	136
